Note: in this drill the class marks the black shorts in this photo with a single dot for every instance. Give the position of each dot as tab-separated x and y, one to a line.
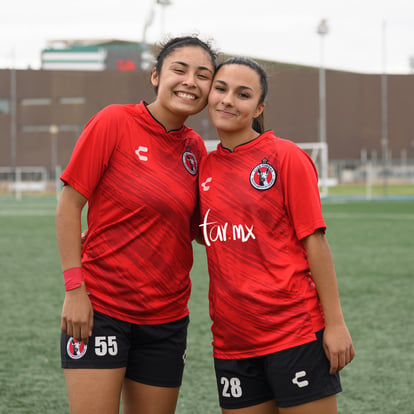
152	354
291	377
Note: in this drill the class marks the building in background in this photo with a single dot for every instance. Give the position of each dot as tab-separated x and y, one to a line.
42	112
95	55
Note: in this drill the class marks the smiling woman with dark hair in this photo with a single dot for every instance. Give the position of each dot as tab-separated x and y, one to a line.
279	337
125	315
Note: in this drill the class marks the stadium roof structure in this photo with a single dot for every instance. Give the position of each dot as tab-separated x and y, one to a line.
82	43
93	54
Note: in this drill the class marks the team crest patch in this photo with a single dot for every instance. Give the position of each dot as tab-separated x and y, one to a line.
75	349
190	162
263	176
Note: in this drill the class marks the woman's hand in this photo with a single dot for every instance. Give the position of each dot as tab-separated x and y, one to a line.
77	314
338	346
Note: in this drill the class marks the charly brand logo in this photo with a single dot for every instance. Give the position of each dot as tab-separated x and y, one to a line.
190	162
263	176
141	151
298	376
205	184
75	349
213	232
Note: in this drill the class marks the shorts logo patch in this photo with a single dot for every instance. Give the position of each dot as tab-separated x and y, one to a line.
298	376
190	162
263	176
75	349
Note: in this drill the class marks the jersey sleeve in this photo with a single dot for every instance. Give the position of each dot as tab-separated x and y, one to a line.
92	152
301	193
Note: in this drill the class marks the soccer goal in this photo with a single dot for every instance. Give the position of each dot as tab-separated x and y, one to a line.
318	151
24	179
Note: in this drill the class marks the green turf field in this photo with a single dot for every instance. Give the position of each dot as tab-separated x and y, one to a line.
378	190
373	248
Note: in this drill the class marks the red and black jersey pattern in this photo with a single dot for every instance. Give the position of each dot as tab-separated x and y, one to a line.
141	185
257	203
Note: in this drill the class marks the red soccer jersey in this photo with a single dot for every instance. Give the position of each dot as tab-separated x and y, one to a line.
257	203
142	188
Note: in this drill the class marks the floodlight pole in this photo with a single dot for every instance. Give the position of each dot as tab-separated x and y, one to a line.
322	30
144	43
54	131
13	121
163	4
384	109
148	23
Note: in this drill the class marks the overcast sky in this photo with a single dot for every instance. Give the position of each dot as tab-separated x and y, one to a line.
367	36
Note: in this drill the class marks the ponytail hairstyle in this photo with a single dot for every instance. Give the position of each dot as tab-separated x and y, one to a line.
258	122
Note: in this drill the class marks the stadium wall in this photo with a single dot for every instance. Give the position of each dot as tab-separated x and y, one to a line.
67	99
